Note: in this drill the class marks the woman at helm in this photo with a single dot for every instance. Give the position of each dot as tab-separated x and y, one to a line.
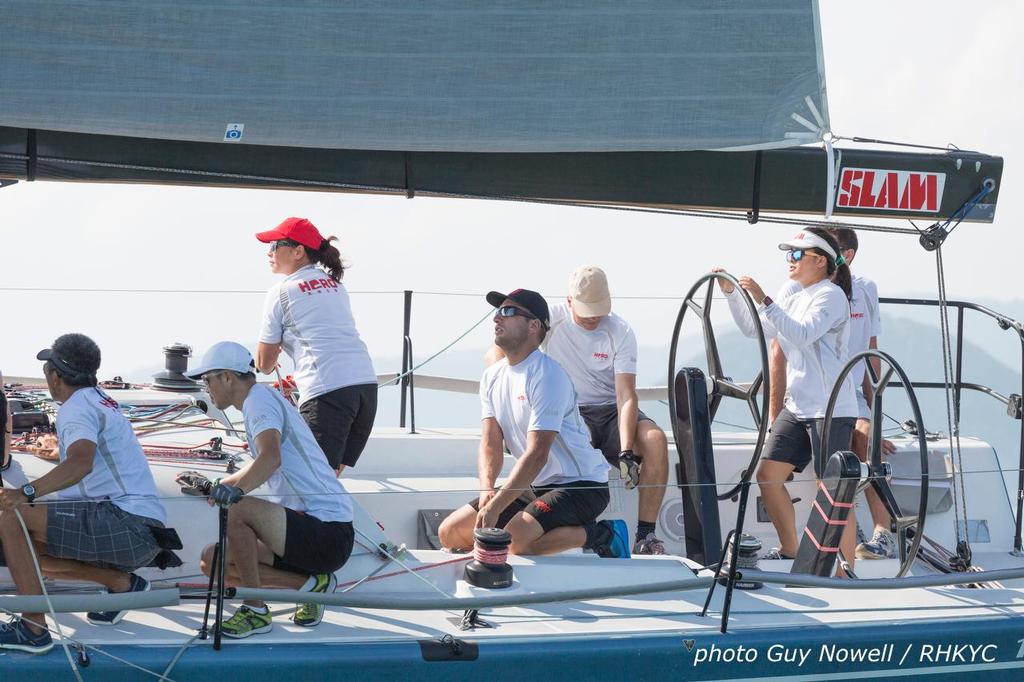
308	315
811	324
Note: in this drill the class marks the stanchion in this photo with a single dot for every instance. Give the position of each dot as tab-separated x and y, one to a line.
222	543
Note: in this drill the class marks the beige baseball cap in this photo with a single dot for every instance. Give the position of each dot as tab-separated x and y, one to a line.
588	289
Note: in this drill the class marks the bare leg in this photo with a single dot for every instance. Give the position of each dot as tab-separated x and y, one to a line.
18	553
653	448
528	536
112	579
848	543
456	531
253	522
779	505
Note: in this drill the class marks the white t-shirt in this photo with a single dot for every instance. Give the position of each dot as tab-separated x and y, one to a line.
812	326
120	471
865	316
537	395
310	315
592	358
304	481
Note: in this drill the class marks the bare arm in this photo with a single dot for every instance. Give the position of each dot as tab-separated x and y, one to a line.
777	375
876	364
493	355
266	357
628	406
268	445
538	447
73	469
489	458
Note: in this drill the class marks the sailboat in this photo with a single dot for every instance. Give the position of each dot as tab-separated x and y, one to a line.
682	107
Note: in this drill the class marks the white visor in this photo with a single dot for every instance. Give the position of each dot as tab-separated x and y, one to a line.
809	240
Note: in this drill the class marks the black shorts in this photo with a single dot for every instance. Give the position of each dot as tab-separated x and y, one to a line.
603	422
570	504
313	546
341	421
797	441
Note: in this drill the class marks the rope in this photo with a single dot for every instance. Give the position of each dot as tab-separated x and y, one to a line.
394	382
46	595
952	414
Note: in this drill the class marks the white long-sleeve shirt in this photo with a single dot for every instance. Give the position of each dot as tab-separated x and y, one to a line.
812	327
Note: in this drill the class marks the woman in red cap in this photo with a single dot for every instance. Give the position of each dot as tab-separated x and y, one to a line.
308	315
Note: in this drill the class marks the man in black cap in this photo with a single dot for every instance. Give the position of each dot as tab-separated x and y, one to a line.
100	527
559	484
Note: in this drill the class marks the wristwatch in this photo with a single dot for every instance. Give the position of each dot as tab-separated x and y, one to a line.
29	491
766	302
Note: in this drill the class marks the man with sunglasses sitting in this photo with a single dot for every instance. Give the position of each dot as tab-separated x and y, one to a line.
101	525
559	483
296	534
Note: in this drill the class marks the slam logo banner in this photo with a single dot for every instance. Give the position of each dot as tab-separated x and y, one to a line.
888	190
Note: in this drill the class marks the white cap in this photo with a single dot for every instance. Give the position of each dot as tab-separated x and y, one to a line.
809	240
588	289
224	355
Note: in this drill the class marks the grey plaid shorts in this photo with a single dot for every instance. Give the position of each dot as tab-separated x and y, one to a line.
99	533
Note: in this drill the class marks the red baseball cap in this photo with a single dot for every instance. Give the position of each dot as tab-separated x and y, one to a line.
297	229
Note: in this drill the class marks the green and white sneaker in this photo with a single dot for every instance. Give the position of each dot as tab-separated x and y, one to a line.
310	615
246	622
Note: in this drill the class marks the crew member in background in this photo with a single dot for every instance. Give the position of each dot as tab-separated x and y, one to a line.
559	484
309	316
301	533
107	516
812	328
598	349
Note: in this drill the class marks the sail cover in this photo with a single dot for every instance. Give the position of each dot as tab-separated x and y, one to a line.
431	75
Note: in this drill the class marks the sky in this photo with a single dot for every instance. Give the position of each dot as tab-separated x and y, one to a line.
922	72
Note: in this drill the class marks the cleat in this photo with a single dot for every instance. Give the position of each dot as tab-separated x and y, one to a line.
618	544
246	622
649	545
138	584
16	635
880	546
310	615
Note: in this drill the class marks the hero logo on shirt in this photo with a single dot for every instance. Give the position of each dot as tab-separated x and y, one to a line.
520	397
856	316
317	285
890	190
600	356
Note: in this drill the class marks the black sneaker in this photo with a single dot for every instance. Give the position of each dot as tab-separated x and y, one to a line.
629	469
17	635
139	584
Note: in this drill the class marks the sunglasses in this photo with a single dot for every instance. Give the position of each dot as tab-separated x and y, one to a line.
512	311
205	379
282	242
797	255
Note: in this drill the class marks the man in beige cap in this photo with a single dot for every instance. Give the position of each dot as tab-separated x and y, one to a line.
598	349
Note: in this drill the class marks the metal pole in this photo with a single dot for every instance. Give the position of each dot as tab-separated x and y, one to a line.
1017	549
222	540
406	354
205	631
959	365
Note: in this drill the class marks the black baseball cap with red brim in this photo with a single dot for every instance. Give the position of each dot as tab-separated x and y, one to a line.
530	300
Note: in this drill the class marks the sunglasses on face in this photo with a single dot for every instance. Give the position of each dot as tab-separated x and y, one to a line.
797	255
205	379
512	311
281	242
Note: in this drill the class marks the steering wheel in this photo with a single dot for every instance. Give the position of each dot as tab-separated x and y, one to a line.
720	386
908	529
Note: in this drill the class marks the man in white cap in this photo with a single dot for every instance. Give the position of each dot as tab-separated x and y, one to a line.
300	533
598	350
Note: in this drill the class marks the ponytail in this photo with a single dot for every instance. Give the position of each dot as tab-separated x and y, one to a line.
838	271
328	258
